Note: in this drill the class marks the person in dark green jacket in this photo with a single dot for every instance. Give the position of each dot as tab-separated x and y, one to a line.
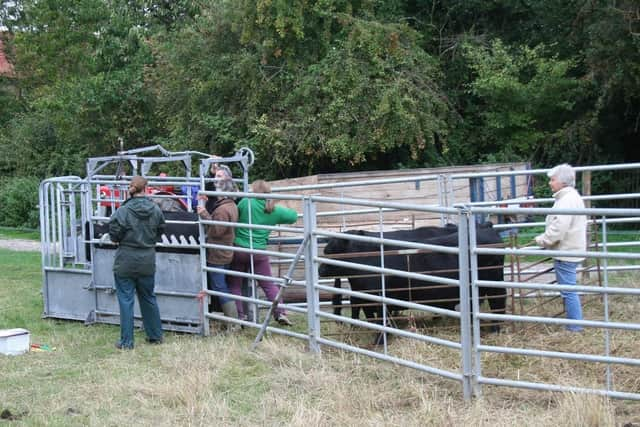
135	227
258	212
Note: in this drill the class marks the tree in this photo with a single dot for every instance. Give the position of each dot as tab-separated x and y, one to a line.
522	99
612	62
322	85
81	66
314	87
374	99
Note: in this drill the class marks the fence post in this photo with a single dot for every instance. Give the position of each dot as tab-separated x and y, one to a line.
442	198
476	192
475	304
586	191
204	297
311	274
465	309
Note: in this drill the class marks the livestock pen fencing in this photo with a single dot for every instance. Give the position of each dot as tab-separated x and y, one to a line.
470	349
448	342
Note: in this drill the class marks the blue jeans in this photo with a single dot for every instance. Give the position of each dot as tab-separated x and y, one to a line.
218	282
566	275
126	287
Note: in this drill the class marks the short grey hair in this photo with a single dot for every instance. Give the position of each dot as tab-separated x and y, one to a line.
564	173
226	185
226	170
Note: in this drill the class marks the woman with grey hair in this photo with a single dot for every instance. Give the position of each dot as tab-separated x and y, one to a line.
566	233
224	209
218	172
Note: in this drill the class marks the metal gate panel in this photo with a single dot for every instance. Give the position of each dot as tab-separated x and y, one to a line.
67	294
103	267
177	286
178	272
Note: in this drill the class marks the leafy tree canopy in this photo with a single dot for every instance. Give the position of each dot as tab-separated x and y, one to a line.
321	85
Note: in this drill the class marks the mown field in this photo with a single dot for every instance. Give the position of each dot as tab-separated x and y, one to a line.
191	380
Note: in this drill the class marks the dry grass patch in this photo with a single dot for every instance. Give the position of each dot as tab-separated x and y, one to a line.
197	381
190	380
346	389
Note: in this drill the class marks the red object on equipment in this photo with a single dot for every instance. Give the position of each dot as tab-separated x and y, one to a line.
105	193
165	188
113	198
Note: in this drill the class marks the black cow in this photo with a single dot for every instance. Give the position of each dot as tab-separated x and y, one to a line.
432	263
417	235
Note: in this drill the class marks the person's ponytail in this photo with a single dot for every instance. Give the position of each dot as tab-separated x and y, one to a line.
263	187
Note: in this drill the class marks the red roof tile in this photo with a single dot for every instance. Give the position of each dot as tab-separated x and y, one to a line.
5	66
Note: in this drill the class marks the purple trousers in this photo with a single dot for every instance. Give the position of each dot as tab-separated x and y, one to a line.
242	262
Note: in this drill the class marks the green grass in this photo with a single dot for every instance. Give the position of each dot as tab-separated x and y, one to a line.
21	271
67	386
191	380
19	233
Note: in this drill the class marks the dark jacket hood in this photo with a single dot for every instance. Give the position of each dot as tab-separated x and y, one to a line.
140	207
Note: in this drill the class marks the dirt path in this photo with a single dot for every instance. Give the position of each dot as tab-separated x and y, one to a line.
20	245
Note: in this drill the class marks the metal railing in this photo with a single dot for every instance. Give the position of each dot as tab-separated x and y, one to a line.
68	202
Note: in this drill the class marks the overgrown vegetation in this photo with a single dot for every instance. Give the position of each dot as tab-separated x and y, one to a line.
319	86
322	85
19	202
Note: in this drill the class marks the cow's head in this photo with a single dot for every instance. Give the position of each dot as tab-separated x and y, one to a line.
338	245
325	270
329	270
335	246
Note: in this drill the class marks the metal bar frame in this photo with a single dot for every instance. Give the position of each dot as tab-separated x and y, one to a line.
54	228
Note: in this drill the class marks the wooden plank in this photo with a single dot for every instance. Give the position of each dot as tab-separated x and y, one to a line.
425	193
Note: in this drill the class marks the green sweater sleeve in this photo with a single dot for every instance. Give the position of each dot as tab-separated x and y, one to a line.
285	215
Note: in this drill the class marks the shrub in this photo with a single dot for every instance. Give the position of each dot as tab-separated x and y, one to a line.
19	202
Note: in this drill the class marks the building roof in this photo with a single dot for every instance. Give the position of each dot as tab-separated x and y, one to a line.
6	68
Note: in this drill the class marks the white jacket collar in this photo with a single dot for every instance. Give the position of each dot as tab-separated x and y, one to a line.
562	192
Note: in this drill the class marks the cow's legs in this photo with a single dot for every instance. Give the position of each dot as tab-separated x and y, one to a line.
336	299
373	313
497	303
356	304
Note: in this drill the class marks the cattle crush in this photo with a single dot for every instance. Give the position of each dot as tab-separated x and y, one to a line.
429	292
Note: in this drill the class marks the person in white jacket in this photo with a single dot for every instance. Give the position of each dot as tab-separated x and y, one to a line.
566	233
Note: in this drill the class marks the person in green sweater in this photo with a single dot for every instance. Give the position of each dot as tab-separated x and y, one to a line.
135	227
258	212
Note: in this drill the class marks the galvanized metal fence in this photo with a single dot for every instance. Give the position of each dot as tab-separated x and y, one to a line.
77	282
604	323
468	347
